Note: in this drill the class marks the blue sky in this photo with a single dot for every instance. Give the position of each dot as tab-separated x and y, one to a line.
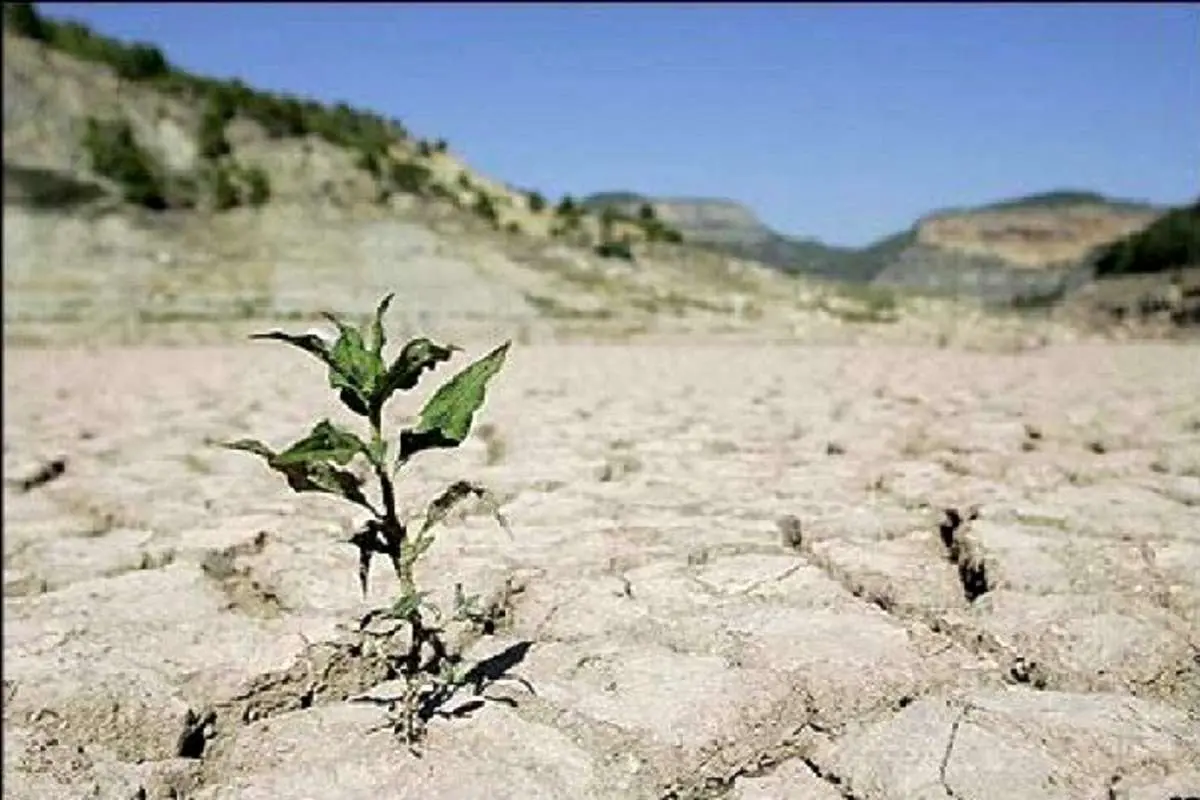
840	121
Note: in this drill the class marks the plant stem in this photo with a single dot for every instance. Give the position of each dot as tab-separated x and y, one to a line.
394	531
396	535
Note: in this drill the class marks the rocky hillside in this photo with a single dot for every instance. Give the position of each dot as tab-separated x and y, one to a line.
120	118
141	201
1036	232
1003	252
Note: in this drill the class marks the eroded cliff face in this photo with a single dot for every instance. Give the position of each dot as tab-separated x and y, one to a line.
1033	238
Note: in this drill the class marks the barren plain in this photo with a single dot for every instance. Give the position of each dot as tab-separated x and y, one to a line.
738	570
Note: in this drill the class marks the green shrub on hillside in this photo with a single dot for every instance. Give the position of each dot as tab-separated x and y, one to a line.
608	218
258	186
410	177
567	207
23	20
485	207
280	116
210	138
115	154
133	61
371	161
537	203
1170	242
224	191
615	249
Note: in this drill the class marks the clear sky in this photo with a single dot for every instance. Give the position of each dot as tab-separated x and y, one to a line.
841	121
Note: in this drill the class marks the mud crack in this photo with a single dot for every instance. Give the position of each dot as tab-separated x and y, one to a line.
964	553
950	742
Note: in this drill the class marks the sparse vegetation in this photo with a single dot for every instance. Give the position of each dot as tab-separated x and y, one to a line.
23	20
211	142
1170	242
567	207
618	248
374	138
613	208
431	668
280	115
862	303
1039	300
115	154
258	186
224	191
410	177
485	208
48	189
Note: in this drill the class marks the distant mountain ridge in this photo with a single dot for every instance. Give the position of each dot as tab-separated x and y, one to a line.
1000	250
734	228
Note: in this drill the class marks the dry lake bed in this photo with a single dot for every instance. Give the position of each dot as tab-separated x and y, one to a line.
736	571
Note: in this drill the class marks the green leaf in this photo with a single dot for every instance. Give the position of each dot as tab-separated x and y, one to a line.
414	358
446	418
376	338
354	370
308	342
308	476
250	446
327	442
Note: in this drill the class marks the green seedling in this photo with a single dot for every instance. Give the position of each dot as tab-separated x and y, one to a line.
365	382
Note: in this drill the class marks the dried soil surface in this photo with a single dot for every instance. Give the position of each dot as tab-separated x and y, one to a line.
738	570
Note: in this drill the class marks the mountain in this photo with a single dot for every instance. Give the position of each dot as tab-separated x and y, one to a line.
141	200
999	252
733	228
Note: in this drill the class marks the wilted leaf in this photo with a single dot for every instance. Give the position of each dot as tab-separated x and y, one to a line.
454	494
414	358
446	418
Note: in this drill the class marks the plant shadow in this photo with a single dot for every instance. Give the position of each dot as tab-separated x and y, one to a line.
479	678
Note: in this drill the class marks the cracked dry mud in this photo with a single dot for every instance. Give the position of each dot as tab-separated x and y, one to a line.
742	571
